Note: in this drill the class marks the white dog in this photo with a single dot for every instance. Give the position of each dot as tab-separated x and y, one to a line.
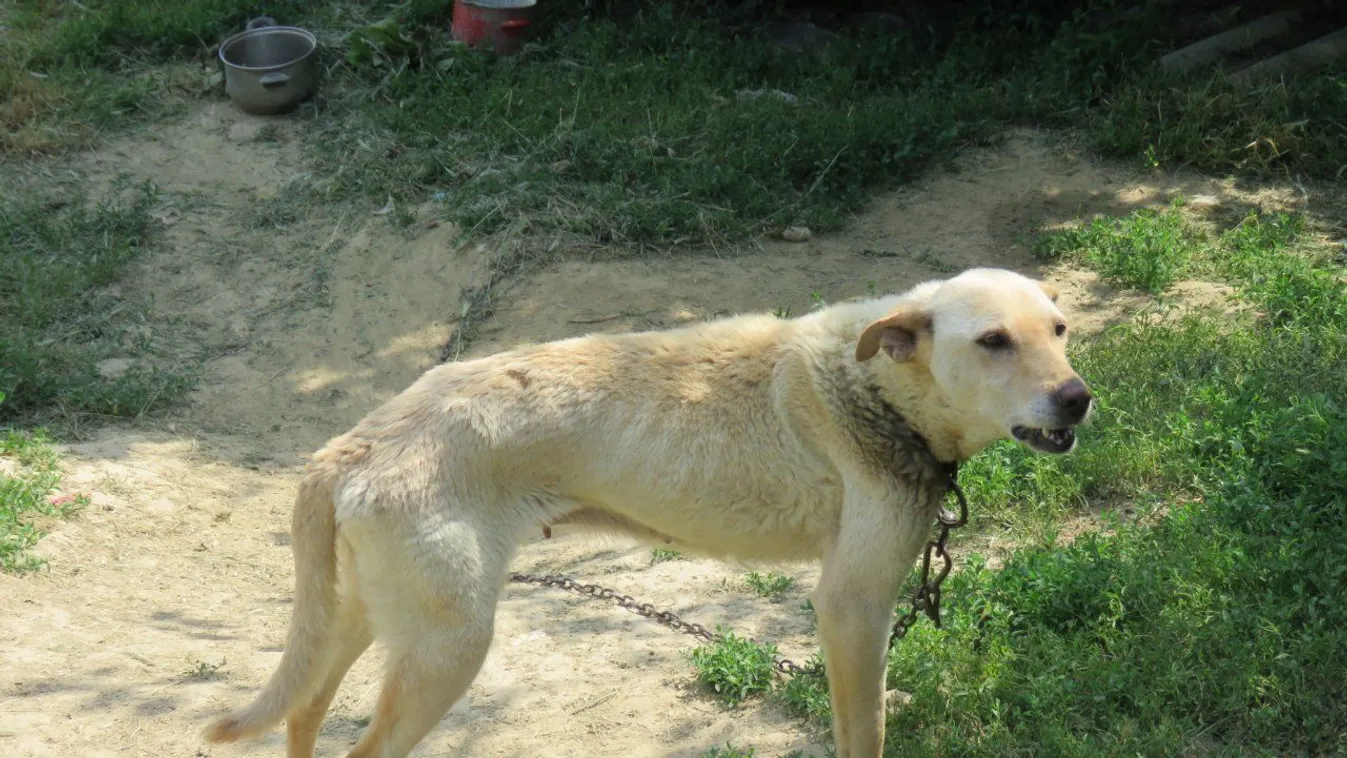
823	437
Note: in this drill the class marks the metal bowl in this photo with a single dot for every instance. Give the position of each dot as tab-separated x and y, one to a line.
269	69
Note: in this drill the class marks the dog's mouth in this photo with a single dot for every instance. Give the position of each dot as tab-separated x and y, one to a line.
1054	441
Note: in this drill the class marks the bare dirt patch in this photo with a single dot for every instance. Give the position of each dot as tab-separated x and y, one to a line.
167	599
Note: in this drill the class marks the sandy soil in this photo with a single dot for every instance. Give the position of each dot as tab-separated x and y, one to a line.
166	601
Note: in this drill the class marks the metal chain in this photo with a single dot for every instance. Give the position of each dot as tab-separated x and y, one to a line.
926	598
667	618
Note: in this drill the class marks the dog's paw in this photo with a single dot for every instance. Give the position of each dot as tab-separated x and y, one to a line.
224	729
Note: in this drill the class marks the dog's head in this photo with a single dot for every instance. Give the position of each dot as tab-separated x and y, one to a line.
994	343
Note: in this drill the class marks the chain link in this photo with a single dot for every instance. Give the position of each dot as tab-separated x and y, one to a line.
926	598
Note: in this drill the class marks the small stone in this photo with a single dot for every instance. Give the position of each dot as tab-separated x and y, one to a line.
245	131
896	700
1205	202
796	234
114	368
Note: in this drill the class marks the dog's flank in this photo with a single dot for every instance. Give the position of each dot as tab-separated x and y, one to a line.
824	437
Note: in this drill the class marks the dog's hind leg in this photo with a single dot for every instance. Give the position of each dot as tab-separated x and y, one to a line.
432	601
350	638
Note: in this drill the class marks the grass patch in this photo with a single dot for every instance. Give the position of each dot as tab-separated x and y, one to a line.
656	124
770	584
45	111
661	554
1149	250
1216	125
58	257
735	668
113	34
1146	250
807	696
730	751
49	101
659	124
203	671
644	140
29	475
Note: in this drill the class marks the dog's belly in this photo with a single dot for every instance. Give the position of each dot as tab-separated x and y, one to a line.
764	531
717	512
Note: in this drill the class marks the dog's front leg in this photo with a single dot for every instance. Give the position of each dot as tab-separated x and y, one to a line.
875	548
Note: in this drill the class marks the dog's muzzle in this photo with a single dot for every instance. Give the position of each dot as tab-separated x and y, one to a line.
1072	400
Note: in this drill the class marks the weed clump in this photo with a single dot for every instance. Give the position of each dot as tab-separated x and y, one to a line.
735	668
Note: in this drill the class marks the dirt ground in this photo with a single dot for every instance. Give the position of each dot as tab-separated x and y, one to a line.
166	601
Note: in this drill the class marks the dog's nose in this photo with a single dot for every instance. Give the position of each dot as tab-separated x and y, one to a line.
1073	397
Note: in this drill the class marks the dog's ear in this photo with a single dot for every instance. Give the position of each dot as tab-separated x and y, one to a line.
1048	290
895	334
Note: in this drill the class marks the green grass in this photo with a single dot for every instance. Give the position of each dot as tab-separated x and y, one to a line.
661	554
635	127
29	475
652	123
770	584
735	668
1147	250
730	751
807	696
203	671
49	101
1209	628
113	34
1218	126
58	257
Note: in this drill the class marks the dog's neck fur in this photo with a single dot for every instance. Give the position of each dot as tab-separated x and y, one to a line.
885	438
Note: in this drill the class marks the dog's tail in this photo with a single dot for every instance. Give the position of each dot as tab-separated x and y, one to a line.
313	533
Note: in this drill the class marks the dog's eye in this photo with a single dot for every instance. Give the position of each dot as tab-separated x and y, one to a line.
1061	329
994	341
